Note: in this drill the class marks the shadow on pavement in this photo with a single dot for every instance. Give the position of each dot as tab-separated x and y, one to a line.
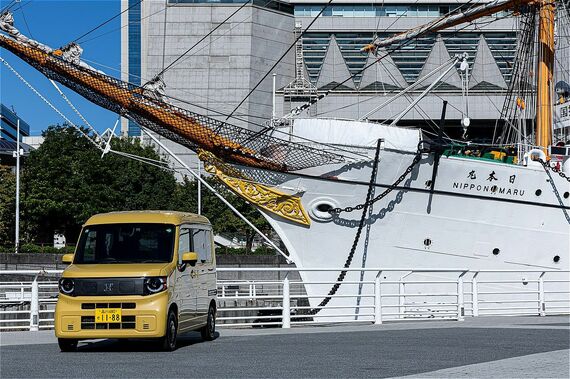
136	345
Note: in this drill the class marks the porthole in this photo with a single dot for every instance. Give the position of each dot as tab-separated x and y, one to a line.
566	195
319	209
556	258
324	207
427	242
538	192
496	251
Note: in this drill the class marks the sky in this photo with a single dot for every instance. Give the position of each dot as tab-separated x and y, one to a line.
56	23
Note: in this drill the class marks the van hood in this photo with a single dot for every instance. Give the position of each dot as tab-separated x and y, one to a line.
118	270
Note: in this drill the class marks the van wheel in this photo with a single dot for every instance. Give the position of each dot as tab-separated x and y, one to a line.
67	344
168	342
209	330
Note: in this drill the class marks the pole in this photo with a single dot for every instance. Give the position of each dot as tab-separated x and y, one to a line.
17	237
424	93
273	103
34	306
475	295
286	314
199	187
377	300
544	75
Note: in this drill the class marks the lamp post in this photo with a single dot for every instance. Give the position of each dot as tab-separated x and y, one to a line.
17	154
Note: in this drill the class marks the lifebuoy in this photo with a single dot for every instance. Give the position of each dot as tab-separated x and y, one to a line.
534	156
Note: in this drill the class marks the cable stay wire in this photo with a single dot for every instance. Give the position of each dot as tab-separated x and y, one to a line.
106	21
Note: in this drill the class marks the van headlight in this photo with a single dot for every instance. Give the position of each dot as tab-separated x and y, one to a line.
66	286
154	284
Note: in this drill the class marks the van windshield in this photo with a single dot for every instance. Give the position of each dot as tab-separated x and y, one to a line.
126	243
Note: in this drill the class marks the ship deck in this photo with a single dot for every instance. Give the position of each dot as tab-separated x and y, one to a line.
498	347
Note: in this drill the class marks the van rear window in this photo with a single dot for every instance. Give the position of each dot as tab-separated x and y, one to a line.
126	243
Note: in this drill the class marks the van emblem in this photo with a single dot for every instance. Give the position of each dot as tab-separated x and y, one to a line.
108	287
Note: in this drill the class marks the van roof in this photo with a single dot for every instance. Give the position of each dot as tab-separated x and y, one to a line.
157	217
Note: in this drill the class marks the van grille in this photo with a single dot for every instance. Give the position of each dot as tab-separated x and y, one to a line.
108	305
108	286
88	322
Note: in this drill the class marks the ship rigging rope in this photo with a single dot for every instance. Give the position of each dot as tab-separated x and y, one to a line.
364	206
10	5
388	51
397	90
153	162
204	37
106	21
48	102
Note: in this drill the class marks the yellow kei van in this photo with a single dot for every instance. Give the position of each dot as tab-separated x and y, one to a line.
144	274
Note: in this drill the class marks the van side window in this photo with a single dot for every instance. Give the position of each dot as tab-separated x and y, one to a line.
184	245
202	244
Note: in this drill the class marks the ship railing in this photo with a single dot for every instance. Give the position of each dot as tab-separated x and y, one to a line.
278	297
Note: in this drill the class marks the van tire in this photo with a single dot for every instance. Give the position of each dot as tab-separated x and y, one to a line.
67	344
208	331
168	342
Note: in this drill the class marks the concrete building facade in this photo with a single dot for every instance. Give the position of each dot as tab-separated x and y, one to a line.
221	69
225	66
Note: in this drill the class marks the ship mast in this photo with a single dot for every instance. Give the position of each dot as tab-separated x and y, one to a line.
544	88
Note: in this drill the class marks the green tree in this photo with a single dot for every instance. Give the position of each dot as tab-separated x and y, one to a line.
7	205
66	181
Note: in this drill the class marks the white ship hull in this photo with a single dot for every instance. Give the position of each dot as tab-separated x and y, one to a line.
482	215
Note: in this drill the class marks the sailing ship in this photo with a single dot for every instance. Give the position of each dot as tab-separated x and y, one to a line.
352	194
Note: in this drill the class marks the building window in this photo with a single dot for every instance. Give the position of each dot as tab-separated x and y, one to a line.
134	54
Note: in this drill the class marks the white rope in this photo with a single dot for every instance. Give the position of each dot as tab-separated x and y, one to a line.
74	109
49	103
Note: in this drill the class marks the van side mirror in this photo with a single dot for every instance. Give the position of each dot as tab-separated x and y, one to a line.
67	258
191	258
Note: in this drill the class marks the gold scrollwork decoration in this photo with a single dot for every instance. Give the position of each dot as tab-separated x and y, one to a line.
287	206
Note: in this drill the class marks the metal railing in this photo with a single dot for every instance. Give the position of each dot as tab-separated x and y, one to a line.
374	296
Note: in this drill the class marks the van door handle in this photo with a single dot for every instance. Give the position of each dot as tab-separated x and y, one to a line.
210	269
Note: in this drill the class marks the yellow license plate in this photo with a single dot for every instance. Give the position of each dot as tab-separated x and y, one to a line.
107	315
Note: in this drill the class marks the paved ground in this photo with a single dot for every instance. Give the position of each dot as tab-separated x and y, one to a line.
484	347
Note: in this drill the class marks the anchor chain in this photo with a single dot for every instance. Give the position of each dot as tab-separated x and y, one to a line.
358	207
364	207
560	173
546	166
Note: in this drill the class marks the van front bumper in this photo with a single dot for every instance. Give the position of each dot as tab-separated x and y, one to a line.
141	316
